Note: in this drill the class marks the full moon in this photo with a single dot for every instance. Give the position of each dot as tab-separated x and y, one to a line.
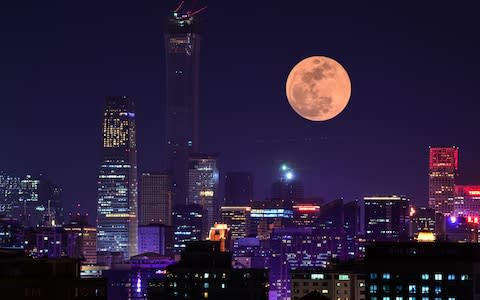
318	88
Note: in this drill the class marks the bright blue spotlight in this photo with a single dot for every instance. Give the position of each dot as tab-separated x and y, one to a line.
289	175
284	167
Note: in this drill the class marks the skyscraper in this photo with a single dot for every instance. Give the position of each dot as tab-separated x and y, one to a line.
182	49
443	169
117	181
188	223
203	185
238	188
386	218
155	199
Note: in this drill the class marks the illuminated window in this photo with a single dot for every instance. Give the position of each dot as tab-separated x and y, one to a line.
373	275
205	285
343	277
205	295
412	298
206	275
386	276
398	298
438	290
373	289
386	298
452	298
317	276
412	289
464	277
451	277
425	289
425	276
223	285
324	291
438	276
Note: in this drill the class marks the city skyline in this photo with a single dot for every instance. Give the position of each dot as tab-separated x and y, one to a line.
368	135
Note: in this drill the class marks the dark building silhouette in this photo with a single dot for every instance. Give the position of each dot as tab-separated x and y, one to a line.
351	227
238	188
414	270
188	224
386	218
205	272
155	198
290	191
182	55
45	279
330	226
117	180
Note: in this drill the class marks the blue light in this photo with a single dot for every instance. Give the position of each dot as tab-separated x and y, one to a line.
289	175
284	167
453	219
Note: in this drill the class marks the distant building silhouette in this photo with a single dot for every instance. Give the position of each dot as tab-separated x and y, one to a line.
238	188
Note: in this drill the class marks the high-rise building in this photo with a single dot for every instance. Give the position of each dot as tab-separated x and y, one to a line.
267	215
386	218
238	188
467	200
351	226
155	198
203	186
330	228
287	187
182	50
33	200
84	239
305	214
220	233
205	272
443	169
117	181
237	220
188	224
422	270
151	238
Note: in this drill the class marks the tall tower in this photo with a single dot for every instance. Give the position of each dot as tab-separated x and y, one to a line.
155	198
117	181
203	186
443	168
182	50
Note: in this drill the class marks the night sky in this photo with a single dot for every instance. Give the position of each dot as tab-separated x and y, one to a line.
413	66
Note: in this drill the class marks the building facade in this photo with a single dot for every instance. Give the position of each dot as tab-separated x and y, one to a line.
467	200
155	198
386	218
415	270
237	220
443	170
203	186
238	188
182	55
188	225
117	181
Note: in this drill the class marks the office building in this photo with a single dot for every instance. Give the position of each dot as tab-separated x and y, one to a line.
267	215
84	238
155	198
386	218
11	233
338	282
182	55
305	214
443	170
117	180
330	227
188	224
152	238
203	186
467	200
238	188
415	270
351	229
237	220
205	272
462	229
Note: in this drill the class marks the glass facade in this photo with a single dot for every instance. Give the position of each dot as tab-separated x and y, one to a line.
117	180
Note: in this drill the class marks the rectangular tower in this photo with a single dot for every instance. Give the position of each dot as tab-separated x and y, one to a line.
182	46
155	198
443	168
386	218
203	186
238	188
117	181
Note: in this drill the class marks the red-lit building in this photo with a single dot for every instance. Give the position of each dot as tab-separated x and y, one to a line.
443	169
467	200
